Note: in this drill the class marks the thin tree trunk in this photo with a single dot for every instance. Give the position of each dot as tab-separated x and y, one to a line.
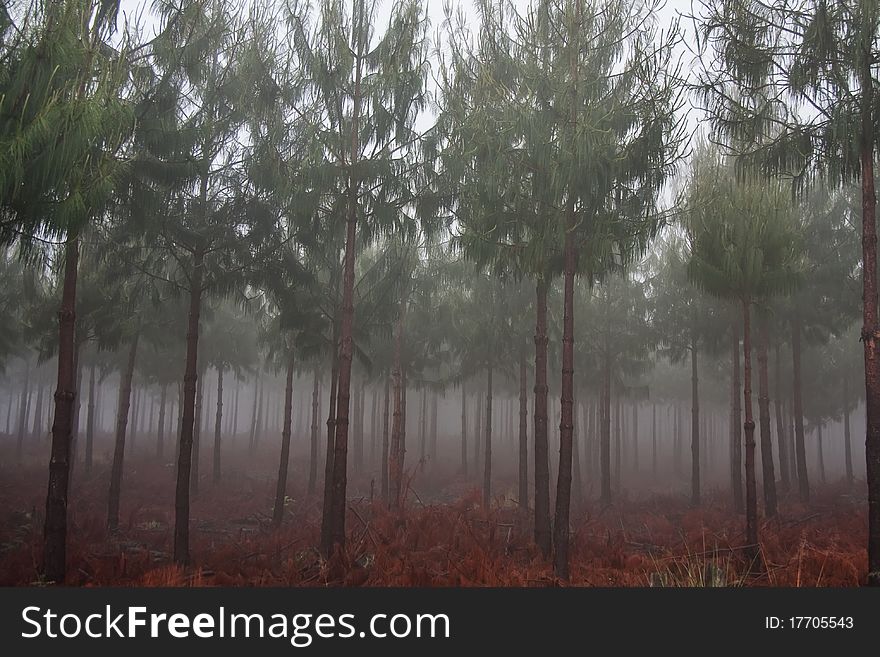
313	447
464	460
160	438
566	420
217	425
695	424
37	426
190	377
543	535
253	436
523	493
767	470
820	454
800	448
432	453
281	487
780	422
605	438
383	460
423	434
395	465
24	411
337	499
55	527
847	442
749	428
197	433
736	436
870	328
654	439
487	443
90	423
330	454
121	425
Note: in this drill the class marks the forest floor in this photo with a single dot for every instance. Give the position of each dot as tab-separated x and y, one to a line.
443	539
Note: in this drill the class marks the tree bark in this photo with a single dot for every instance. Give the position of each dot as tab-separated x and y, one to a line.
566	420
695	424
605	439
281	487
330	453
55	527
197	433
464	444
395	466
749	430
313	447
767	469
487	443
190	377
870	328
800	448
820	454
780	423
160	438
523	492
383	457
90	423
24	411
217	425
121	425
654	439
543	536
847	442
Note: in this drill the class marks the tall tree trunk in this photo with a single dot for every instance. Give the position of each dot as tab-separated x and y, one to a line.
121	425
543	536
330	453
197	433
190	377
233	429
566	420
432	453
217	425
253	437
24	411
523	492
695	424
386	436
605	437
281	487
423	433
847	442
337	499
359	428
262	412
780	422
870	328
478	434
313	446
464	460
55	527
395	466
820	454
654	439
487	442
749	429
90	423
800	448
37	426
160	438
767	470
